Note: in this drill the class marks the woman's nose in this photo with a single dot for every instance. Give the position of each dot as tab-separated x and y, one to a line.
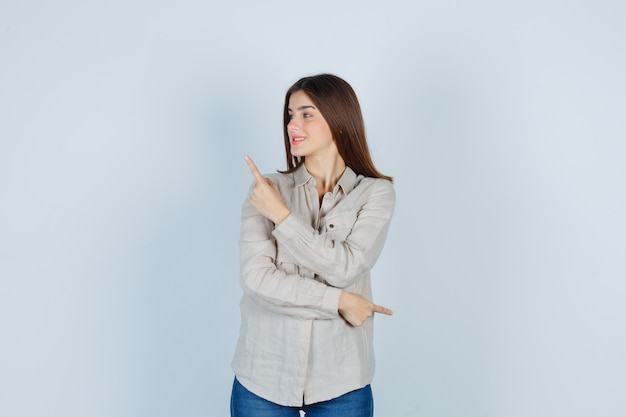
293	125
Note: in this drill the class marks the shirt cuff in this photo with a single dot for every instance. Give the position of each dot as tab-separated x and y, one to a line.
287	228
330	302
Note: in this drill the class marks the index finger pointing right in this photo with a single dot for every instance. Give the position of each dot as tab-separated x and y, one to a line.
383	310
253	169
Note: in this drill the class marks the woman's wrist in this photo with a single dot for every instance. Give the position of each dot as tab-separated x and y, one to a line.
279	217
343	300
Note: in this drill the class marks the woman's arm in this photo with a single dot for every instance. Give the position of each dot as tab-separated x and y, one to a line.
341	263
291	294
260	278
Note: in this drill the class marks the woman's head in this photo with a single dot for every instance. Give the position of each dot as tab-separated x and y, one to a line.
338	104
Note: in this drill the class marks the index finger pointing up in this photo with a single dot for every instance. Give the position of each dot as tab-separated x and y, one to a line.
253	169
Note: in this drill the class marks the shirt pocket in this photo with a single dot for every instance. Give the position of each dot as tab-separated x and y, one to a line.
338	226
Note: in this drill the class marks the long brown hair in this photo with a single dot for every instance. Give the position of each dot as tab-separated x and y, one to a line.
338	104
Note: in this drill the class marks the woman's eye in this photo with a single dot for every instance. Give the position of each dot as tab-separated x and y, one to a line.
307	115
289	116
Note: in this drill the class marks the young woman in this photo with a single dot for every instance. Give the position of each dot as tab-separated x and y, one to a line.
309	237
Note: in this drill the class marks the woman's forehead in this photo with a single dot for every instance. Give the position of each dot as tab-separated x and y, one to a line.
300	99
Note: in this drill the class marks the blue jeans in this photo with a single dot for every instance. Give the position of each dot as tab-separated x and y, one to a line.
357	403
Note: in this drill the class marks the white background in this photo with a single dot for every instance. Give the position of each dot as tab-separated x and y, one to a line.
123	127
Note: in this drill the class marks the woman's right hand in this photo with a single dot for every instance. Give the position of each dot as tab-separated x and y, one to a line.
356	309
266	197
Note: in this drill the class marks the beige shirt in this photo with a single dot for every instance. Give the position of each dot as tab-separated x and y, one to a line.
294	347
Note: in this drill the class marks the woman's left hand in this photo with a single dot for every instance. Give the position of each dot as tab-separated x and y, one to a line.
356	310
266	197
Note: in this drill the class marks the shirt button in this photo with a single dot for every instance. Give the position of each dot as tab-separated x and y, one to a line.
330	226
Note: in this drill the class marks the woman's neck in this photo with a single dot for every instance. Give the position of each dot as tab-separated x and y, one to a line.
326	172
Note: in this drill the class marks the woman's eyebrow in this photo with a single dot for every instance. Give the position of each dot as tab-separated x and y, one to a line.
303	107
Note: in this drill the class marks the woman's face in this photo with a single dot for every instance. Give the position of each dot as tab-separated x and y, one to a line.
309	134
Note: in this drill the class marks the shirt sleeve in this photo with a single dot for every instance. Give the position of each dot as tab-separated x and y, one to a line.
342	263
289	294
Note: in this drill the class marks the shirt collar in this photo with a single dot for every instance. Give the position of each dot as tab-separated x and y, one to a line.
347	181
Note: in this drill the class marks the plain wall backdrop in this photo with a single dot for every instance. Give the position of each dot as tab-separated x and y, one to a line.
123	127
